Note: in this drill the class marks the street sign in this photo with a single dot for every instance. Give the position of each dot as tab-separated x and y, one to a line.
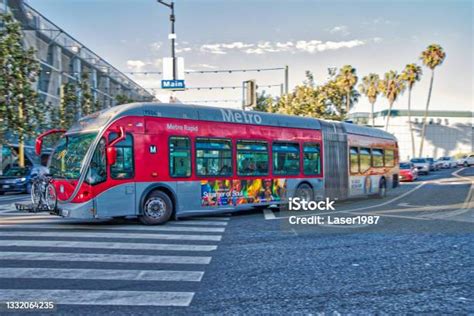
173	84
168	68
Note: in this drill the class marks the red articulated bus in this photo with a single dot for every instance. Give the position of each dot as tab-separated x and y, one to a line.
161	161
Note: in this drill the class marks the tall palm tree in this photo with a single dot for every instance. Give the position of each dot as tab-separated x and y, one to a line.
411	74
391	86
432	57
347	79
370	88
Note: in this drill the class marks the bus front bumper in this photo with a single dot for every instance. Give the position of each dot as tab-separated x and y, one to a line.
84	210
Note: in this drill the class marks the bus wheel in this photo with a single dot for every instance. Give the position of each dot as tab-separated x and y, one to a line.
304	192
157	209
382	189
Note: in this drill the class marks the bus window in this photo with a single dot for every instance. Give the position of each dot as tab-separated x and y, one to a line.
286	159
389	158
98	170
180	157
311	159
252	158
123	167
213	157
364	159
377	157
354	159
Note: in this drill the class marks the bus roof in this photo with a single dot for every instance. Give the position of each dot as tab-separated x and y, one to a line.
212	114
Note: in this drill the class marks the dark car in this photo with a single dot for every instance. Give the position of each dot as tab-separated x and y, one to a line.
18	179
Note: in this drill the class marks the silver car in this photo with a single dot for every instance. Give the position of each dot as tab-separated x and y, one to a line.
422	164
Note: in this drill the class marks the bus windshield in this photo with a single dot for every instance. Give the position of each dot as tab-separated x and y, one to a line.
68	156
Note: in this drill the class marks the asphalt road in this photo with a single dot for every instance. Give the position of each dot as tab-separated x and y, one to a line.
418	258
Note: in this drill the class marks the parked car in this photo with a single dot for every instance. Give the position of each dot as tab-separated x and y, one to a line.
466	161
18	180
448	162
434	166
408	172
421	164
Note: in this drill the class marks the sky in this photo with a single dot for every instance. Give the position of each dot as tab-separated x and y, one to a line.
372	36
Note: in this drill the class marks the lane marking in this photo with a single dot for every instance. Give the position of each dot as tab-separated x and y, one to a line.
121	227
101	274
104	245
99	257
19	233
199	222
268	214
92	297
217	218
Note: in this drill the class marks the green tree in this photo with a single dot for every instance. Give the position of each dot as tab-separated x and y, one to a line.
347	79
85	93
411	74
432	57
123	99
19	70
370	88
265	102
67	112
391	86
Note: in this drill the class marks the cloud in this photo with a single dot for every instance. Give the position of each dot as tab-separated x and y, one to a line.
263	47
319	46
135	65
204	66
213	49
183	49
339	29
156	46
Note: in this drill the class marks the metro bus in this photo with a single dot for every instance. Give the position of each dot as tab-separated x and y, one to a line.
161	161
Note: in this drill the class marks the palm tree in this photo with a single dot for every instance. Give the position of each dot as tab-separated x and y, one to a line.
347	79
432	57
411	74
370	88
391	86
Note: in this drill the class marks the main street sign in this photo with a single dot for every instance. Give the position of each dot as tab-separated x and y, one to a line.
173	84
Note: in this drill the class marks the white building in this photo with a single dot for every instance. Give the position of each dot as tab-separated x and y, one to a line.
448	132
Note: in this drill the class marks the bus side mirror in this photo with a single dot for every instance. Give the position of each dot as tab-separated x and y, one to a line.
111	155
38	145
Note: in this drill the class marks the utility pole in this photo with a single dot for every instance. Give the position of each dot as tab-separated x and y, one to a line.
286	79
172	35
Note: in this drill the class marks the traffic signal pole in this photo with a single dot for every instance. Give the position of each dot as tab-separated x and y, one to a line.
172	35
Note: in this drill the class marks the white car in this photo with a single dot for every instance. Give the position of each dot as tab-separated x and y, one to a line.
466	161
448	162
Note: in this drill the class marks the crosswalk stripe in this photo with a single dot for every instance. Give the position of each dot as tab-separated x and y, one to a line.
101	274
199	222
93	297
96	257
20	233
104	245
123	227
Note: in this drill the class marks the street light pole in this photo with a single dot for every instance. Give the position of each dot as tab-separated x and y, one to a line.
172	36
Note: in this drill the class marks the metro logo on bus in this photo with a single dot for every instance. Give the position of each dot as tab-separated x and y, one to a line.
240	117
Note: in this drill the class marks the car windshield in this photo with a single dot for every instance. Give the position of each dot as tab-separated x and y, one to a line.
405	166
418	160
68	156
430	159
445	158
16	172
